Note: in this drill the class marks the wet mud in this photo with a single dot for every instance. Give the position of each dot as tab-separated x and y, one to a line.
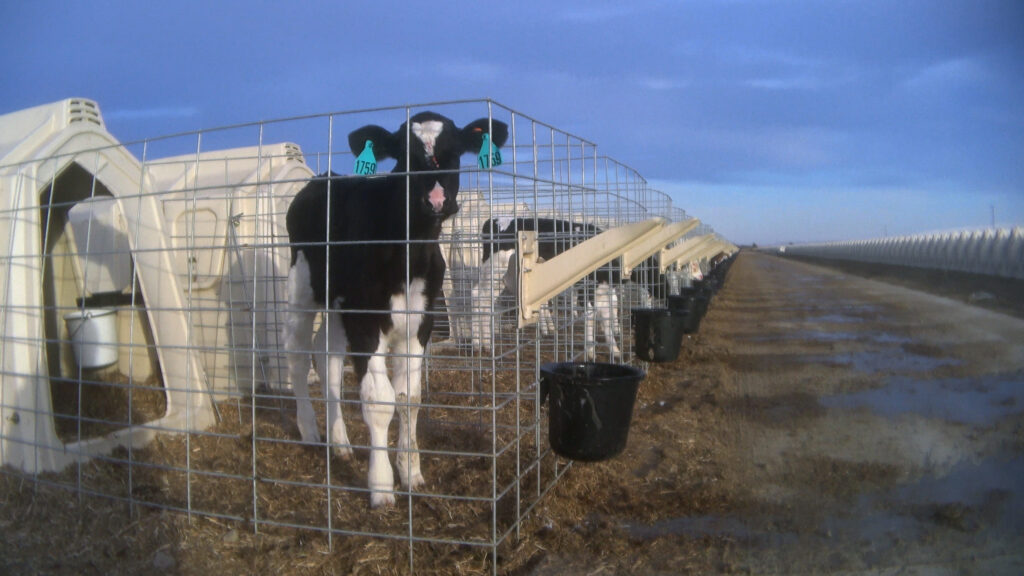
854	427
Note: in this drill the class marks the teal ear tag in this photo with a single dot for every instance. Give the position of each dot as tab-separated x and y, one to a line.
489	156
366	162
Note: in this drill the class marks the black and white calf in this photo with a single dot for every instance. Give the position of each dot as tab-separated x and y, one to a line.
498	236
364	250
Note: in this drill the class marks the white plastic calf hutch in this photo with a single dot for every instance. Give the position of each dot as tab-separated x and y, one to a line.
224	213
60	166
191	253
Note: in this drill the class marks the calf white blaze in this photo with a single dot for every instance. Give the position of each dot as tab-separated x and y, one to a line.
428	132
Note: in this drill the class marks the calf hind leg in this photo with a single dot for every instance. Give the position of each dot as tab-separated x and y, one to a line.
298	333
331	344
607	303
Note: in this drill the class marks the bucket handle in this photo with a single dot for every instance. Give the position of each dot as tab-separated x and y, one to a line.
88	315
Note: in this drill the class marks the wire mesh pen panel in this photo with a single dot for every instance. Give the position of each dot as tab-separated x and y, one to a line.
152	301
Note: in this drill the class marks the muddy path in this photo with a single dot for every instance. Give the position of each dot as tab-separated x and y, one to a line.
819	422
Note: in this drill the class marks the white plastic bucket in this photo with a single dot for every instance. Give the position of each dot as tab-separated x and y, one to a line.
93	334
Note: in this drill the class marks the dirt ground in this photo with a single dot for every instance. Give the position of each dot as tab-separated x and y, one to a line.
819	422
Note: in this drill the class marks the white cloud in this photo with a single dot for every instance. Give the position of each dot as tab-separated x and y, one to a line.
662	83
778	58
785	71
780	83
784	147
948	73
810	80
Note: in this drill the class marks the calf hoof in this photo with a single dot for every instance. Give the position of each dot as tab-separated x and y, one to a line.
342	451
382	499
309	437
308	428
415	481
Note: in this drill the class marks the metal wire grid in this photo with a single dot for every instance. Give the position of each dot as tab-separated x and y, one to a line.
482	440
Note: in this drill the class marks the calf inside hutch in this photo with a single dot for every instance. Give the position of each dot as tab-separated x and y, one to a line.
202	264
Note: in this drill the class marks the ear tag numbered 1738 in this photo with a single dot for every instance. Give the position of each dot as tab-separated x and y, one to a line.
366	162
489	156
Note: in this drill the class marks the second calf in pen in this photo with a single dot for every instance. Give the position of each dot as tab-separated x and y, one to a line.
366	250
600	302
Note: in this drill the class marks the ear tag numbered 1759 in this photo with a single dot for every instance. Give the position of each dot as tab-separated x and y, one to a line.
489	155
366	162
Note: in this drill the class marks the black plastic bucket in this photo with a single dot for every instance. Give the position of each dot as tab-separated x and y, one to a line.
690	307
658	333
703	299
591	407
693	321
700	297
685	303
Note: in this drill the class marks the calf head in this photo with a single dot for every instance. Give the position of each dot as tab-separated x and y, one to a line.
499	234
429	148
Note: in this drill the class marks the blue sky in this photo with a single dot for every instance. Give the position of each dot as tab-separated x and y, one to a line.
772	121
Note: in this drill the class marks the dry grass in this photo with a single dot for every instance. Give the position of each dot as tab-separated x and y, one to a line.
668	471
103	401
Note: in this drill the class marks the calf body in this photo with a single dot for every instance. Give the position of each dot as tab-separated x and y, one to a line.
498	236
365	252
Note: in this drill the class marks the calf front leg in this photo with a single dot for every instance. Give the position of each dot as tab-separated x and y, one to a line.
378	398
589	342
606	302
407	383
547	324
494	276
481	324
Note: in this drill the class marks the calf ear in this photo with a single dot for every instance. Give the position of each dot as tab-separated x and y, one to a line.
473	134
385	144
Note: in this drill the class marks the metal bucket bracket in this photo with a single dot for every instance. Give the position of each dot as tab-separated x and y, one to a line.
542	281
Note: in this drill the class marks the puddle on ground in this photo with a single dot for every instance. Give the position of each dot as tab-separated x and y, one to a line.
884	361
977	401
822	336
698	526
973	496
804	335
834	318
887	338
